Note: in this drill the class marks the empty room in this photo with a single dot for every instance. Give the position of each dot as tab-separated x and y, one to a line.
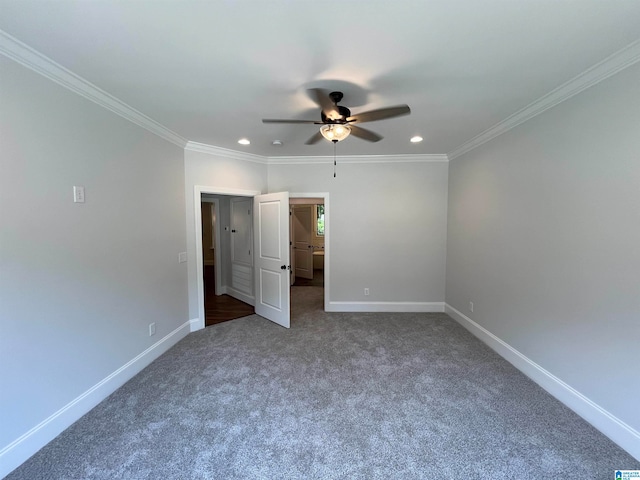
427	214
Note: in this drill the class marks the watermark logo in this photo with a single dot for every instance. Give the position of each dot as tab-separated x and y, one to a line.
627	475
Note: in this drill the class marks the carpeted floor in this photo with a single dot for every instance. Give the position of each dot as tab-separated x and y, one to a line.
316	281
338	396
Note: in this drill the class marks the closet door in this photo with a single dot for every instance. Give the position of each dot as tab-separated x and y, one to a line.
241	247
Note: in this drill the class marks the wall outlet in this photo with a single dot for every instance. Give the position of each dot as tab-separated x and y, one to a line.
471	307
152	329
182	257
366	292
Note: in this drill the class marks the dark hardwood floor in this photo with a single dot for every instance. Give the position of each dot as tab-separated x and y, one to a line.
221	308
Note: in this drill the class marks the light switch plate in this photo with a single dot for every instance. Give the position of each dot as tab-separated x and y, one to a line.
78	194
182	257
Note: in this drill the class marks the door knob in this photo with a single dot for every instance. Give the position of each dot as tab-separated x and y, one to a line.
283	267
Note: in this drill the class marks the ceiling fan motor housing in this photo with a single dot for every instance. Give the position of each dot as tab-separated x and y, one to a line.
344	112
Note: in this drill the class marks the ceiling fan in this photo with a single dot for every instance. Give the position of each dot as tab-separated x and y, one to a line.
337	121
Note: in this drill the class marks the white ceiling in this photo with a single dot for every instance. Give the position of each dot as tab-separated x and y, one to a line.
211	70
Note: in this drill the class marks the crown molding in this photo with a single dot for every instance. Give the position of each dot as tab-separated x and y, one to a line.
611	65
425	158
26	56
308	160
21	53
224	152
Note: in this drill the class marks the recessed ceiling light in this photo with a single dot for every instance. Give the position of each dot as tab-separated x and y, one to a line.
244	141
277	143
416	139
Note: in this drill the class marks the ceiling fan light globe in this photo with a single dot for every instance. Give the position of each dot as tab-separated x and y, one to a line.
335	133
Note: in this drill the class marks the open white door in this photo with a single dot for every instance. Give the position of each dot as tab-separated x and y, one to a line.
271	249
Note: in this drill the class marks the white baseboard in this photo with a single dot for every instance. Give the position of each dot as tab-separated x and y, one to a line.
18	451
243	297
385	307
622	434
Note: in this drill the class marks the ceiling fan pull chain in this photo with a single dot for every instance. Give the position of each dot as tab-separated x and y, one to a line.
335	142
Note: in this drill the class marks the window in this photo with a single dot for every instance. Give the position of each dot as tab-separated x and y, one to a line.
320	220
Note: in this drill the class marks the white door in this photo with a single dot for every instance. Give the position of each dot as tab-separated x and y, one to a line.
241	246
302	247
271	247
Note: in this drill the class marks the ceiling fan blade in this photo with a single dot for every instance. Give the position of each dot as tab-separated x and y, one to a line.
314	139
324	101
380	114
364	134
278	120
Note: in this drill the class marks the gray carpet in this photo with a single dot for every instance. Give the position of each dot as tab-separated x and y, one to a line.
338	396
316	281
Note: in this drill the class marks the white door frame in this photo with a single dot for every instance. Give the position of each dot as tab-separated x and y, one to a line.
327	243
198	190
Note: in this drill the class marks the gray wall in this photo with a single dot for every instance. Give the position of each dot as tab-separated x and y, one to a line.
544	238
388	226
80	283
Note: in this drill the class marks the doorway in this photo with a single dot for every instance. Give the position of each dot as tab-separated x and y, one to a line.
220	304
222	192
309	245
217	299
308	242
